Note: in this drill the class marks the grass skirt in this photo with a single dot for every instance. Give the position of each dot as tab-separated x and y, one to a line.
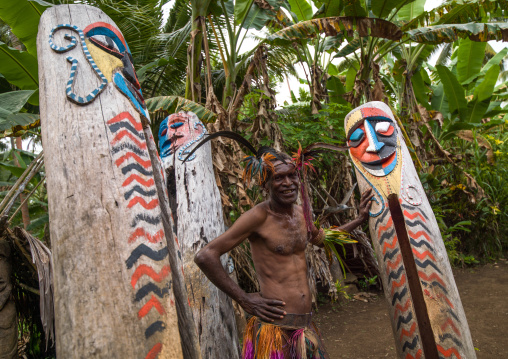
268	341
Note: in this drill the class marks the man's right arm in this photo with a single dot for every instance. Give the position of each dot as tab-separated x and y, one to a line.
208	260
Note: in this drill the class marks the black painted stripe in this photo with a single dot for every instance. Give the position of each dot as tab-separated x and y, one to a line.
381	218
118	125
145	218
155	327
152	288
139	190
434	283
414	209
386	235
144	250
410	345
417	222
451	337
395	275
452	313
136	167
390	254
128	146
427	263
404	320
399	296
423	242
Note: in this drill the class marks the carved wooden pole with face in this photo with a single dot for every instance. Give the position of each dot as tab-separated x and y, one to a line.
112	260
197	210
427	317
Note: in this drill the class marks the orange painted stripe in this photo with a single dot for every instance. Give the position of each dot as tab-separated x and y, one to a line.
433	276
143	269
144	163
448	352
408	333
391	246
392	265
418	234
140	232
137	178
154	352
126	116
138	200
423	254
449	323
122	134
419	354
399	308
414	215
385	227
152	303
398	284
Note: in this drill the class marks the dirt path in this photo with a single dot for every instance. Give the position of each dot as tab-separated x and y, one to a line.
358	330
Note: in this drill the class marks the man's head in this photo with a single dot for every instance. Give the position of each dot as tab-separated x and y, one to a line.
283	182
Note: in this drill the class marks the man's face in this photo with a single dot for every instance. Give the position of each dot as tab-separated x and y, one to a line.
373	142
283	186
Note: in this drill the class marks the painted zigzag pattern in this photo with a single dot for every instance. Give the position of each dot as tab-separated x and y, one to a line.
150	278
402	307
434	284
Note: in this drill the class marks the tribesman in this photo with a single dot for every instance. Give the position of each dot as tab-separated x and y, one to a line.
278	231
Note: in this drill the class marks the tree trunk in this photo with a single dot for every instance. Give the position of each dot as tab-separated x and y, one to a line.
425	308
198	214
8	315
112	277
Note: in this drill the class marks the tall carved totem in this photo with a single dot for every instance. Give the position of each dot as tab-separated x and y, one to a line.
112	277
427	317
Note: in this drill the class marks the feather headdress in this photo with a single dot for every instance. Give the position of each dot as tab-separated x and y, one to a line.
260	162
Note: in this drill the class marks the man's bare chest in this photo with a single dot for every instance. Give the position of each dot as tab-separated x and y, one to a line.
284	236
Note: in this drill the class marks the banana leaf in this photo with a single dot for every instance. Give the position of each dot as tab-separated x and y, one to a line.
333	26
163	106
23	17
449	33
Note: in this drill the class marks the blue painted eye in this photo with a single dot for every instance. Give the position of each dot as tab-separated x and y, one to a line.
176	124
357	135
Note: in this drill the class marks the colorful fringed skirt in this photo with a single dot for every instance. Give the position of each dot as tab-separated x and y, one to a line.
296	338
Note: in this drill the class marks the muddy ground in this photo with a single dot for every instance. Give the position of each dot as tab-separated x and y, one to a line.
358	330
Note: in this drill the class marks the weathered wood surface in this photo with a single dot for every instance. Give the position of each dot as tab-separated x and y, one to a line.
199	220
426	313
188	333
112	277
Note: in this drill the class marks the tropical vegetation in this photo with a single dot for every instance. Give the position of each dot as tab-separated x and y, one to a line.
453	110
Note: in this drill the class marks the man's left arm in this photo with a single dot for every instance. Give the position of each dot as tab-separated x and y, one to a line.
318	235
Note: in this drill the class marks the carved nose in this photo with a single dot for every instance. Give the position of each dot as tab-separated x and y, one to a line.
374	144
128	70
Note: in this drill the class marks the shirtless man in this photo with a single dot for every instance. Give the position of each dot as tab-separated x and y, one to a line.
278	237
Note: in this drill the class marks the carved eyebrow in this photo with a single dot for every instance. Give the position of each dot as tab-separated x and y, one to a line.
176	124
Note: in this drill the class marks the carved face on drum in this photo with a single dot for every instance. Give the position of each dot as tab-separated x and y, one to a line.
178	132
372	138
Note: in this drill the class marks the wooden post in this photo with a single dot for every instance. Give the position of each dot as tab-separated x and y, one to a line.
112	277
426	313
197	209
